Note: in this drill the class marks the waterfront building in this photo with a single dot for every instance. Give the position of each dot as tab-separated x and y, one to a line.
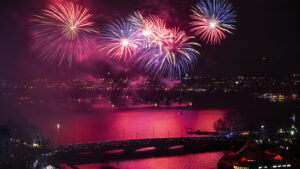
4	147
253	156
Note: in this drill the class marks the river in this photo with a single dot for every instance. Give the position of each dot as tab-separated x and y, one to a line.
132	124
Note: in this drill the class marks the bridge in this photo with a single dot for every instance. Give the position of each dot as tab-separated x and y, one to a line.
138	145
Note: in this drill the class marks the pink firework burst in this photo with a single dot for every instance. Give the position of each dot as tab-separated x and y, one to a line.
63	31
152	28
208	29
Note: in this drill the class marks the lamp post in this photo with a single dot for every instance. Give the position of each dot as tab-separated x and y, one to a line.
58	128
262	127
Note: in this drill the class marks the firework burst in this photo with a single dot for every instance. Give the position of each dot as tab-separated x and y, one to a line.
173	57
63	31
152	28
121	40
211	19
167	53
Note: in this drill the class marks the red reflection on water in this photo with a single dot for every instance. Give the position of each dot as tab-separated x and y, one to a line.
114	151
192	161
145	149
64	166
129	124
176	147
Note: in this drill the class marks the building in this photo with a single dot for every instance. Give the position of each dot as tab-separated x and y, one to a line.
4	147
252	156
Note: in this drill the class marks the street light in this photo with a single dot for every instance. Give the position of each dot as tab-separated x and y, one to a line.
58	126
292	133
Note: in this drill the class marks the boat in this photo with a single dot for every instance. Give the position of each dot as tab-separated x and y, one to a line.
198	132
190	131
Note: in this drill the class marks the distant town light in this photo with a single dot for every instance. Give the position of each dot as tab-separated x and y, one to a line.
281	131
35	145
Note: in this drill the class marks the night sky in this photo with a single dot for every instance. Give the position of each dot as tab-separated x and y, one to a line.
265	42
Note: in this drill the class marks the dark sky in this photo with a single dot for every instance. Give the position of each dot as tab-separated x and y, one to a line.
266	39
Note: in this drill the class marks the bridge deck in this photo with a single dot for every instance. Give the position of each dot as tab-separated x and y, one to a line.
132	145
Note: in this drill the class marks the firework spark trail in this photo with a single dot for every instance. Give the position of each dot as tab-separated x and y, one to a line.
121	40
211	19
63	31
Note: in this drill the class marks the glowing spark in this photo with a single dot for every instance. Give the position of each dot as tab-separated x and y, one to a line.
213	24
125	42
146	33
73	27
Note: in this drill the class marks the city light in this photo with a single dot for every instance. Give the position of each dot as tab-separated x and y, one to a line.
35	145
